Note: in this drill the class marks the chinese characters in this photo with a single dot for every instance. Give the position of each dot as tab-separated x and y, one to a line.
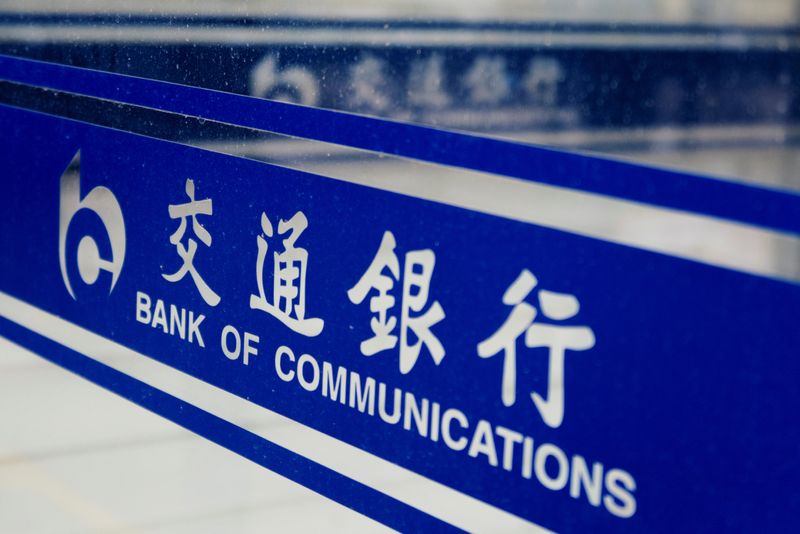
556	338
289	277
406	320
185	211
417	275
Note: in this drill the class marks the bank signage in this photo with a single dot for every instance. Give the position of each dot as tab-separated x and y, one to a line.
476	76
571	382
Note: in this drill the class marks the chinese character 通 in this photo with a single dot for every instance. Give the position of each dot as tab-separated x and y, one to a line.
556	338
368	84
289	277
192	209
417	275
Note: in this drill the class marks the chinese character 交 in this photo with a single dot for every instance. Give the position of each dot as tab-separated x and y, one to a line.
191	209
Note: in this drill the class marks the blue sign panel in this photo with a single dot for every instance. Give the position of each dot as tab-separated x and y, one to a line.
574	383
464	75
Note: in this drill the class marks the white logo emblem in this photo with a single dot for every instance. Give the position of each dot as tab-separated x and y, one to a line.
103	203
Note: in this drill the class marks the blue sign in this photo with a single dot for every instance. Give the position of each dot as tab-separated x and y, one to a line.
464	75
573	383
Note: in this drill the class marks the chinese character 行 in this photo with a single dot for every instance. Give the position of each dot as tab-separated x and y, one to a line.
289	277
417	275
556	338
192	209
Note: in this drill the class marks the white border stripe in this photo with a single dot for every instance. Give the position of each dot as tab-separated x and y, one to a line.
686	235
431	497
729	12
237	35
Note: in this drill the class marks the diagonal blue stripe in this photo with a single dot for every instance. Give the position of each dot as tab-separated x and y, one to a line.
758	206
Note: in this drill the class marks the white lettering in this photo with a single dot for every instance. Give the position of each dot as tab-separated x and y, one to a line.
283	375
592	485
142	307
229	353
177	321
331	388
449	415
194	328
160	317
527	458
395	417
175	324
435	411
308	385
417	412
250	349
540	467
510	438
620	484
552	467
364	398
483	442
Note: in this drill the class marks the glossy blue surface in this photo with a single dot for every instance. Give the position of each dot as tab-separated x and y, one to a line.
690	386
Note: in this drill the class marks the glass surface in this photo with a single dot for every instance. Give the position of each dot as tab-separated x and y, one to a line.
698	85
666	82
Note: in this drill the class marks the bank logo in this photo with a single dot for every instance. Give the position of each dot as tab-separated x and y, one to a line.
104	204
